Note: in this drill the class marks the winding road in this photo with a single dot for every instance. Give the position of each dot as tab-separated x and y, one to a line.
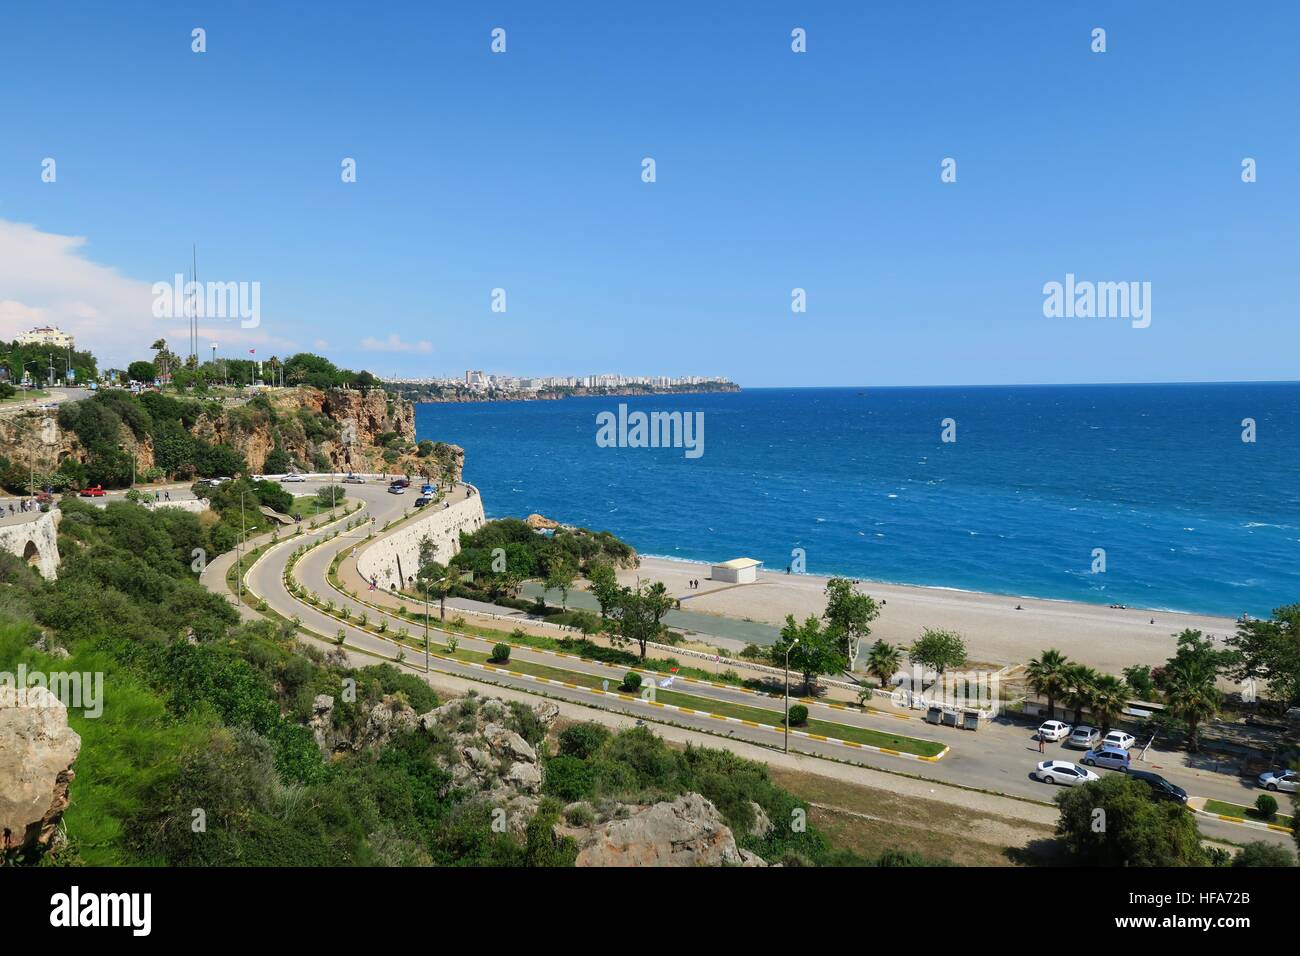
996	759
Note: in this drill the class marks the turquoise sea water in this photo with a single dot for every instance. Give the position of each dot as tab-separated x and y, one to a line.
1190	517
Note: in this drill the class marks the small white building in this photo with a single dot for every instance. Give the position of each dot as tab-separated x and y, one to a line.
737	571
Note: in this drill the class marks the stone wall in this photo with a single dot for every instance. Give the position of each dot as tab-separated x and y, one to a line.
35	541
400	549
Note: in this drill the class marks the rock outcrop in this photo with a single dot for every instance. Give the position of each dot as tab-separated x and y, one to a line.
37	750
688	831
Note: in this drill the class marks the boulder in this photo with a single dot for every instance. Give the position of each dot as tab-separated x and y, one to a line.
525	777
762	825
688	831
37	750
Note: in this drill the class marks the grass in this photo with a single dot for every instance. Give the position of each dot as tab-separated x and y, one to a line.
34	395
1246	813
870	821
307	506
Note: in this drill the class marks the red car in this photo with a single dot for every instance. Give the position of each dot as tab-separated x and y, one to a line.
95	491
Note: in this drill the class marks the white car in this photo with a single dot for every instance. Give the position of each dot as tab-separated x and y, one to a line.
1284	780
1117	738
1064	773
1054	730
1084	737
293	477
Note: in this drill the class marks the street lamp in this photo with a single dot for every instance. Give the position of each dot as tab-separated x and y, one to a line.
426	625
787	692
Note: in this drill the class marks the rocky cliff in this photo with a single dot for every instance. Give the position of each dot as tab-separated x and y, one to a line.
318	430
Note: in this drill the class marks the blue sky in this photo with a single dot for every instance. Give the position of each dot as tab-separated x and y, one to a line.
775	170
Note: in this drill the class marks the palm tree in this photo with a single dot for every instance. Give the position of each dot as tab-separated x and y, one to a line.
883	661
440	580
1109	697
1081	685
1046	674
1191	696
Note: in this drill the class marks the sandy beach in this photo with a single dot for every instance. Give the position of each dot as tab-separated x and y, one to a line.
1108	639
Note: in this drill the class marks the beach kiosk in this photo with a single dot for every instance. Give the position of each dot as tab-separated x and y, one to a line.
737	571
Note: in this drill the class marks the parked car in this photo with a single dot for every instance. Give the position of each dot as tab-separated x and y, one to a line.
354	480
1161	788
1119	739
1084	737
1284	780
428	489
399	483
1054	730
421	501
1064	773
94	491
293	476
1111	758
396	490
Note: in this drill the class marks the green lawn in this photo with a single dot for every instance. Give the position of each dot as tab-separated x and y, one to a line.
35	395
1246	813
308	507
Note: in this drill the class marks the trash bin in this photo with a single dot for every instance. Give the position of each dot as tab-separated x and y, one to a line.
970	719
950	718
934	715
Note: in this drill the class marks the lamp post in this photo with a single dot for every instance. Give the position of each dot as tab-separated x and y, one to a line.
239	558
787	693
426	625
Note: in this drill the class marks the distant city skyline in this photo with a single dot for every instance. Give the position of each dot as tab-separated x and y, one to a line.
949	195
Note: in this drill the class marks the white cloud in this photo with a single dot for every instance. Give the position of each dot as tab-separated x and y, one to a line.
394	343
46	280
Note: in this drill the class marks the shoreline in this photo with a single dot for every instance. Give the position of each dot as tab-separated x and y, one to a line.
995	631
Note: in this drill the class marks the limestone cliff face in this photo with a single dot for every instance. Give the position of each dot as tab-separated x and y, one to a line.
37	750
336	429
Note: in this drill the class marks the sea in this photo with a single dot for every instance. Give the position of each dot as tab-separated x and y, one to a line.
1180	497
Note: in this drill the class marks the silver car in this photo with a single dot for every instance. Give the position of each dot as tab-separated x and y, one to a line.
1284	780
1084	737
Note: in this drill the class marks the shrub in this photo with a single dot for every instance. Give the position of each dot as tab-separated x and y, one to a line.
1266	806
569	778
500	653
632	681
583	740
579	815
1259	853
798	715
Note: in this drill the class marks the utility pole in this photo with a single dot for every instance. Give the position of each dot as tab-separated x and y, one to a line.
426	625
787	693
239	557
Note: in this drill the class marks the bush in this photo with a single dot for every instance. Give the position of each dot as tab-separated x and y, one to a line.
632	682
798	715
1263	854
1266	806
569	778
500	653
583	740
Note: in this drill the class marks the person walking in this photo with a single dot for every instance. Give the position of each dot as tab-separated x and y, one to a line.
1042	744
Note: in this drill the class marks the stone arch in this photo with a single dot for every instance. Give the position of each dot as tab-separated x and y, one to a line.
31	553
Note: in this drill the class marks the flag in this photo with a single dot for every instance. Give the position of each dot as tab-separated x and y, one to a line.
252	351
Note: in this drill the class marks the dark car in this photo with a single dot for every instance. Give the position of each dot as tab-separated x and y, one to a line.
400	483
422	501
1161	788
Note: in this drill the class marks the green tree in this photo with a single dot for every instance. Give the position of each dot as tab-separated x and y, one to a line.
638	613
817	651
1191	695
1080	682
883	661
938	650
604	585
1047	676
1270	651
142	372
1109	698
1138	677
1131	828
560	575
849	615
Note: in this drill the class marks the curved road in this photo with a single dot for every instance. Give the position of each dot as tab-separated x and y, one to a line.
997	758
